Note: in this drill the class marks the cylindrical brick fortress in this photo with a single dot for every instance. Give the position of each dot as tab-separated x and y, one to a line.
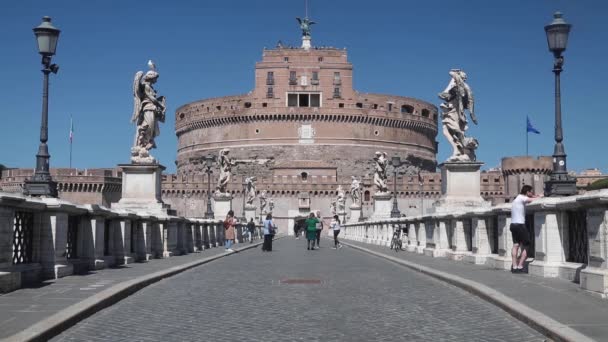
303	107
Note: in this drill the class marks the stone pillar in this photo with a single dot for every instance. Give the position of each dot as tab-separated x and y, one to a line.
163	230
144	239
53	228
7	218
459	245
211	233
505	241
412	240
9	281
481	244
173	237
250	213
342	216
382	206
355	214
92	241
595	276
197	238
550	230
420	236
122	240
221	205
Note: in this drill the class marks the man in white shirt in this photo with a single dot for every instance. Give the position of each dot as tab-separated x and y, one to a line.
521	237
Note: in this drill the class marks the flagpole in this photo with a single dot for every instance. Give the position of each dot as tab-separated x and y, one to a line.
527	133
71	138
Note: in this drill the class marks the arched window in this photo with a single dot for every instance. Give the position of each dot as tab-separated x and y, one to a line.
366	196
425	113
304	176
407	109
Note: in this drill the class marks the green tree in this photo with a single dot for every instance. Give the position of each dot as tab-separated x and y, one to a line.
598	184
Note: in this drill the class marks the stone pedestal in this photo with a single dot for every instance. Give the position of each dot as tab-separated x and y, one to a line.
460	188
382	206
306	43
141	189
342	216
221	205
355	214
250	213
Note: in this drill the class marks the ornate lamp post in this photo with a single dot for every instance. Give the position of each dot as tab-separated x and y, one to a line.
41	183
560	183
395	162
244	197
209	161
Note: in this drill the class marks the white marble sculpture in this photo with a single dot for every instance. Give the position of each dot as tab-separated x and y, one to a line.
270	205
380	176
333	207
458	97
355	192
148	111
225	165
341	200
263	202
250	190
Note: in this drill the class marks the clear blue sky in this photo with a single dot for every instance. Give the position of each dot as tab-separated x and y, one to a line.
208	49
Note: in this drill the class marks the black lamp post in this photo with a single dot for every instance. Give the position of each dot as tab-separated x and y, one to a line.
209	161
41	183
395	162
244	197
559	183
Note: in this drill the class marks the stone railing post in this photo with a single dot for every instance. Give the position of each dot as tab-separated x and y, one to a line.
420	236
144	238
480	242
595	276
173	236
121	226
7	218
458	243
550	234
505	241
157	226
412	239
93	237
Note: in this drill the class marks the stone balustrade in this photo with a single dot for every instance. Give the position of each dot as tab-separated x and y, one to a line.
569	237
50	238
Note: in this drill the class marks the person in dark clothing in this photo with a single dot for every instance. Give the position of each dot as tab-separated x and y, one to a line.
251	229
269	229
319	228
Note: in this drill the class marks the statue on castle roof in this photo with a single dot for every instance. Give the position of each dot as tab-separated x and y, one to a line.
305	26
148	111
458	97
270	205
380	177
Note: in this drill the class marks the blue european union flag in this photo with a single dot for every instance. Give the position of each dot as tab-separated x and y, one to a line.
530	128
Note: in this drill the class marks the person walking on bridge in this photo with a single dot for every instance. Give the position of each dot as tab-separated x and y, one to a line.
311	230
229	230
269	228
335	227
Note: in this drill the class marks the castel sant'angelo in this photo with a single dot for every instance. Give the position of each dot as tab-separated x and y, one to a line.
303	131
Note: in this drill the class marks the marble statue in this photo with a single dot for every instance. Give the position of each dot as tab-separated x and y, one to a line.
458	97
250	190
355	191
263	202
341	200
148	111
225	164
380	177
332	207
305	26
270	205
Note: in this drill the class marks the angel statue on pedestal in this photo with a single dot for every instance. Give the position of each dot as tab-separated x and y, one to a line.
148	111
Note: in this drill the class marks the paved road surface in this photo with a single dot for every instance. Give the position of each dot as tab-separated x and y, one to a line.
293	294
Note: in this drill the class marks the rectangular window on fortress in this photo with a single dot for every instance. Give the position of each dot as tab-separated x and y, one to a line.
303	100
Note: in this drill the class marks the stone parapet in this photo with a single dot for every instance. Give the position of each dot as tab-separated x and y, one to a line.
570	237
49	238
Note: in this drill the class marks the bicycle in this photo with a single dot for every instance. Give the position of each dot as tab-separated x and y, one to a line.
396	242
